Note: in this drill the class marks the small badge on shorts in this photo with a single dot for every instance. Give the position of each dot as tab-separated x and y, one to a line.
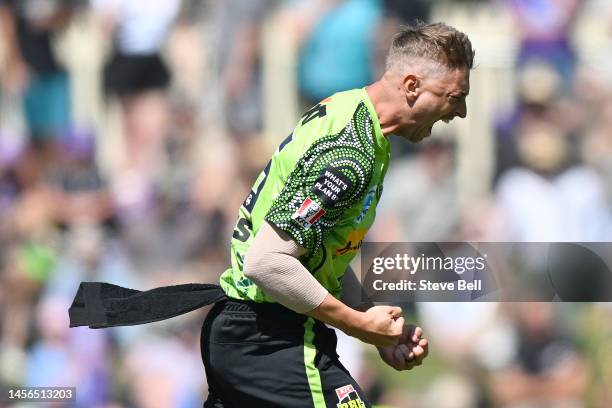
348	397
308	213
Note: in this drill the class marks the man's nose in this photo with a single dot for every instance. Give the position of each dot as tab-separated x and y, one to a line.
461	110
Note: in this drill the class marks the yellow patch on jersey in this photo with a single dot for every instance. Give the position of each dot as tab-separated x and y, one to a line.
353	242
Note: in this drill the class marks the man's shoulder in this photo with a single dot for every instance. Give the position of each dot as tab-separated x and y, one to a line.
348	99
336	112
344	102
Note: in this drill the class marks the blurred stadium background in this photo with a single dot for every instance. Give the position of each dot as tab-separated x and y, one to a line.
131	131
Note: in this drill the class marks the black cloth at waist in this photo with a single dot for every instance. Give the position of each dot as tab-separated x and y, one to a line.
99	304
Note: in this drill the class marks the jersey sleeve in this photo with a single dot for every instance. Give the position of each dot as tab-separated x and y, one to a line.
330	178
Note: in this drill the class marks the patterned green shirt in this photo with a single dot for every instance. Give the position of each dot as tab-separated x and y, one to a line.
321	187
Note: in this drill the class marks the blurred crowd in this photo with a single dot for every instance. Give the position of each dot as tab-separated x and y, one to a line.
131	131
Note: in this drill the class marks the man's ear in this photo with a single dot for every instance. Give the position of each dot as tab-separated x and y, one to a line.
411	85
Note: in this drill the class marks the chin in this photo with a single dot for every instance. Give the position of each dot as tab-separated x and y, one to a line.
420	137
414	137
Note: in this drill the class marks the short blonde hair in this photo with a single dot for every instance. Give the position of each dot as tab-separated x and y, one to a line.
436	42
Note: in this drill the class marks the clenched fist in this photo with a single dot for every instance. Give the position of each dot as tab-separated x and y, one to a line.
409	352
379	325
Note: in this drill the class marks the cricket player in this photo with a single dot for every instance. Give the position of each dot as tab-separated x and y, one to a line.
268	344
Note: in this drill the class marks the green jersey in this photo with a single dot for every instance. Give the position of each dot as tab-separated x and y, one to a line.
321	187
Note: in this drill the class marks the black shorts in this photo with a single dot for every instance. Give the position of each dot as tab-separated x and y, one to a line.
130	74
265	355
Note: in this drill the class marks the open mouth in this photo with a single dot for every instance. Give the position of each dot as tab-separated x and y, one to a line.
445	120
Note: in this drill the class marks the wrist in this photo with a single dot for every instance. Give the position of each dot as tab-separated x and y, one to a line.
335	313
353	321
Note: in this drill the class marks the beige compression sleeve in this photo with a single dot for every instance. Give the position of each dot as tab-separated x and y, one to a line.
271	262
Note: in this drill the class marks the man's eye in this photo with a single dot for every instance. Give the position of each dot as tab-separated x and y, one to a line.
455	98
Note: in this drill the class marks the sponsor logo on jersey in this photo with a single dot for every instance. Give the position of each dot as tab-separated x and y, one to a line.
353	242
308	213
367	203
330	186
348	397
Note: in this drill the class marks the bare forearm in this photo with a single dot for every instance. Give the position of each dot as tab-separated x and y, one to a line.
335	313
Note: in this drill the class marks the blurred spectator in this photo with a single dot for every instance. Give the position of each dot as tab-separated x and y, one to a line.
26	268
29	248
424	209
236	88
539	201
67	358
137	75
547	369
540	97
336	41
164	372
544	30
237	29
31	69
81	192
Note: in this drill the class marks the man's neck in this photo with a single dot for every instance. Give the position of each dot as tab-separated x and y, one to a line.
386	97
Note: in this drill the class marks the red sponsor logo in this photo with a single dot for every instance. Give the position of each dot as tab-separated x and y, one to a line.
344	391
308	213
